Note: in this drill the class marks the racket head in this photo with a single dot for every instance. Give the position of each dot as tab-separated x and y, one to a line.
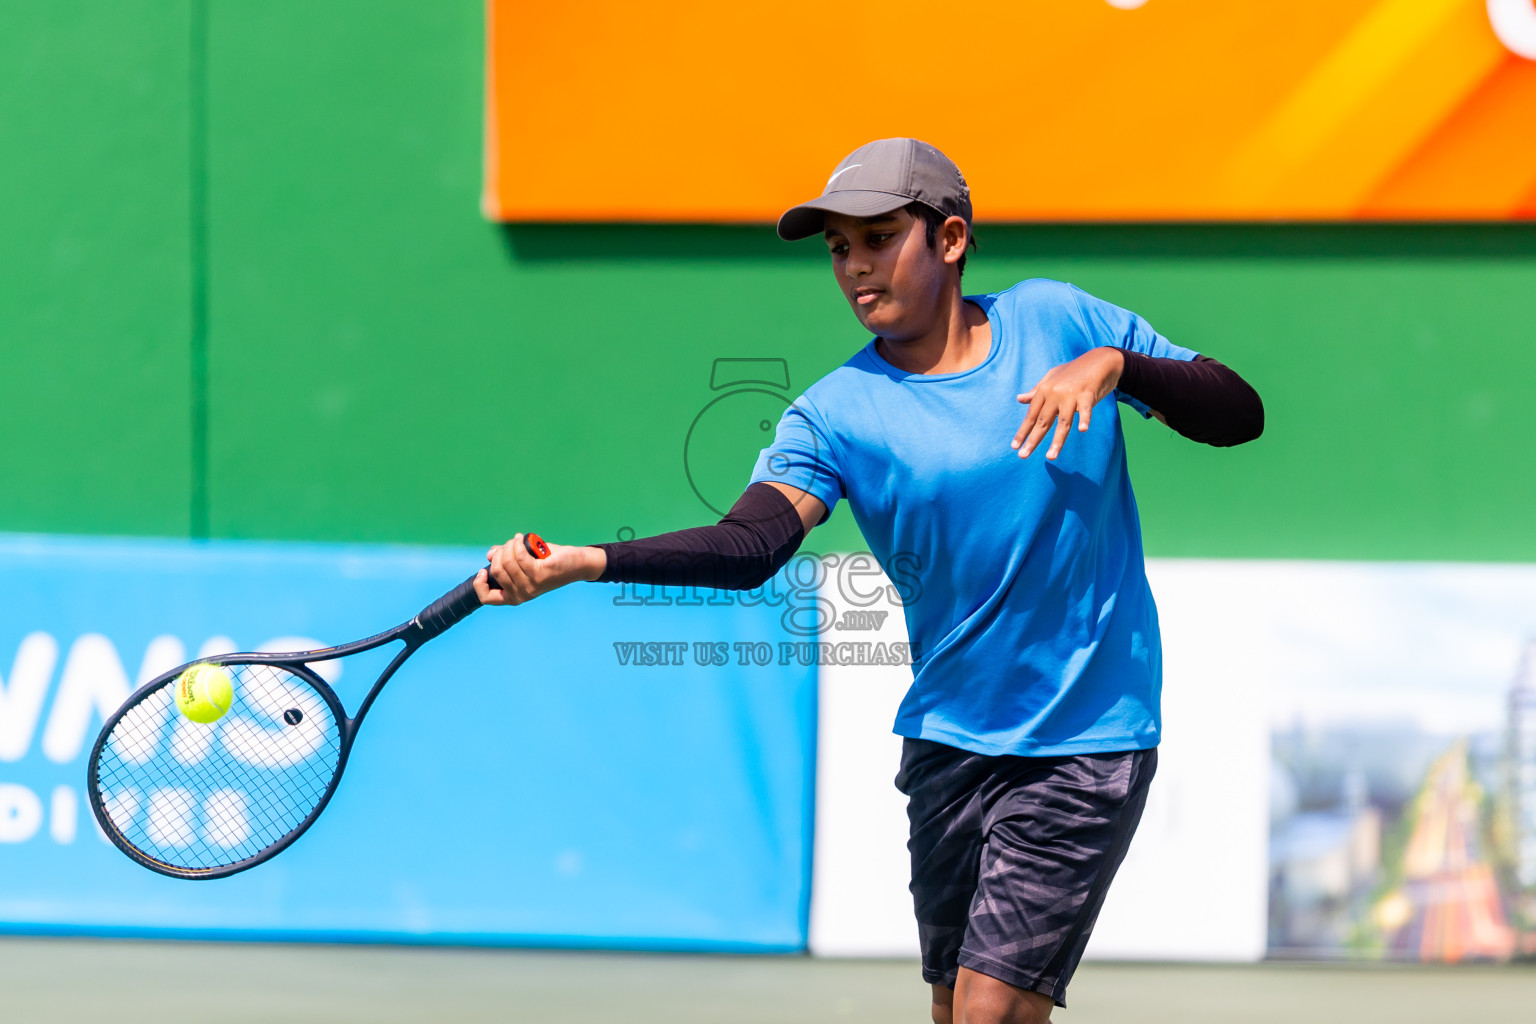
205	801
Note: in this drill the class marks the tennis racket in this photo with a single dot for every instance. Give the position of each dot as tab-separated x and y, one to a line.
204	801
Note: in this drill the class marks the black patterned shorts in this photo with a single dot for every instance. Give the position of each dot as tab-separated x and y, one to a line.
1012	856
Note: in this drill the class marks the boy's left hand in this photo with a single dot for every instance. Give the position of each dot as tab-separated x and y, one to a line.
1074	387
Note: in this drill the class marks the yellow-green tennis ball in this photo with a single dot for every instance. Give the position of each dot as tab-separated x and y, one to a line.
204	693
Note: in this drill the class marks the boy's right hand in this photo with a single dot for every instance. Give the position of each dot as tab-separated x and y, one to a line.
516	576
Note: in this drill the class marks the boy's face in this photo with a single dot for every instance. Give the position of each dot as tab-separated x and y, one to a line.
887	272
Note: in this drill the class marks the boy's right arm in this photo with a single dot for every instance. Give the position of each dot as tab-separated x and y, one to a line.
810	507
754	540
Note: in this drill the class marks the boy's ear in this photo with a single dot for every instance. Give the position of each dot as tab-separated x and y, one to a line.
952	238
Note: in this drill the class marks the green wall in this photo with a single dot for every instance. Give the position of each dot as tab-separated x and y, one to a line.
94	271
382	364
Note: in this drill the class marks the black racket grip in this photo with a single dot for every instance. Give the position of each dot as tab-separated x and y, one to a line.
462	601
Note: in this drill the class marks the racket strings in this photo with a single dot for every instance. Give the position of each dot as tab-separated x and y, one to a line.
199	797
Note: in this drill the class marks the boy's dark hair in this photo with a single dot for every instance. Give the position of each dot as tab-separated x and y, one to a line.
933	220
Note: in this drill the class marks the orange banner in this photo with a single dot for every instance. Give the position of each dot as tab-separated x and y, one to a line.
1054	109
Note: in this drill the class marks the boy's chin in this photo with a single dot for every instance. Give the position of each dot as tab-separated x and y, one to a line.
878	321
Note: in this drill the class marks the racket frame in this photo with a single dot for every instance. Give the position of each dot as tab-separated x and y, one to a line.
430	622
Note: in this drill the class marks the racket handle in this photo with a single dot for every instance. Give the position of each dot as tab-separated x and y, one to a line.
460	602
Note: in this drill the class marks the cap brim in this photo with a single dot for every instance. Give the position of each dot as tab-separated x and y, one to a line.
809	219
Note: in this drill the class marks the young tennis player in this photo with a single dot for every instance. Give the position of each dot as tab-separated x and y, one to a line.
1032	723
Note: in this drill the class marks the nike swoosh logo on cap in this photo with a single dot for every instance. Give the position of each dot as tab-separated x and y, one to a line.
845	170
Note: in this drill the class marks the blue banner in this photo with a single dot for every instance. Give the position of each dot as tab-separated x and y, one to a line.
592	768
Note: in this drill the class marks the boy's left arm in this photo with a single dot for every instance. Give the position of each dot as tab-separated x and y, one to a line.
1202	398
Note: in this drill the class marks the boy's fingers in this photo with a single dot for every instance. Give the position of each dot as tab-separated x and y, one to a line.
512	587
485	588
1024	428
1063	430
504	565
513	559
1035	400
1084	414
525	559
1021	440
1038	431
1037	406
498	576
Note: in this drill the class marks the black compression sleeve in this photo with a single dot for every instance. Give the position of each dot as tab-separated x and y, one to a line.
741	552
1203	400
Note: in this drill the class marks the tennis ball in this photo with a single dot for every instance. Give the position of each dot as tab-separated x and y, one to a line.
204	693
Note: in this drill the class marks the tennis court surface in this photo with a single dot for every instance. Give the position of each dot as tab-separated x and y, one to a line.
68	980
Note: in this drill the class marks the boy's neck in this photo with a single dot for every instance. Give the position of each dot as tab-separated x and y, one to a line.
960	338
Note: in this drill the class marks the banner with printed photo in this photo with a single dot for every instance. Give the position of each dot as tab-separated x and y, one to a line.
1403	778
